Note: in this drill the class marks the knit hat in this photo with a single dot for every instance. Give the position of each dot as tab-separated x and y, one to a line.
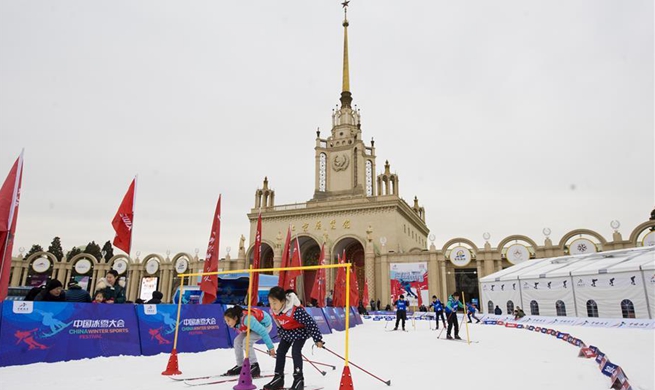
53	284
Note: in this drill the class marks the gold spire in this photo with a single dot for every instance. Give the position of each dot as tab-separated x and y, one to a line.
346	97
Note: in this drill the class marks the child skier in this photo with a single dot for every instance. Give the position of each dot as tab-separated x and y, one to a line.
451	314
470	312
438	311
401	311
295	326
260	326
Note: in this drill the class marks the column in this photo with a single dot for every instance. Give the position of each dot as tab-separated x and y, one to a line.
385	287
433	272
444	280
369	263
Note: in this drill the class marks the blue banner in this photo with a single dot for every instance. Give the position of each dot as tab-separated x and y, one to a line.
341	313
609	368
336	322
201	328
357	317
318	316
52	331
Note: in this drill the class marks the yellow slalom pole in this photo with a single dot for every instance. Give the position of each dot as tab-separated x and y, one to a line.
348	269
179	309
248	313
468	339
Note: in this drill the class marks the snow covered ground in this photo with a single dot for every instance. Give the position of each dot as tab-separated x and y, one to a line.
503	358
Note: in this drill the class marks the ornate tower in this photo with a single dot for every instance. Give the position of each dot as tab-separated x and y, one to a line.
345	166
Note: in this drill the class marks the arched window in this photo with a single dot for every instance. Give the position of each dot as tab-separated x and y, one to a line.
592	308
560	308
534	308
490	306
628	309
510	307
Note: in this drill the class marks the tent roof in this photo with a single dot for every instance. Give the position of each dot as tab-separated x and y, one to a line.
622	260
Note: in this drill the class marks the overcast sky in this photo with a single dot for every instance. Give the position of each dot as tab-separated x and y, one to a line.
506	116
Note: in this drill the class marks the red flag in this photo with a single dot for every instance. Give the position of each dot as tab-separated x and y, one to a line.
366	298
124	220
209	283
296	261
285	260
354	288
339	298
254	294
9	201
318	290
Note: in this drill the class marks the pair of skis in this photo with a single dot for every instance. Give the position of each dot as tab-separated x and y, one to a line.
216	380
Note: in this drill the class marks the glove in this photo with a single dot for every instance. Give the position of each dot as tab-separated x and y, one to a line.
320	344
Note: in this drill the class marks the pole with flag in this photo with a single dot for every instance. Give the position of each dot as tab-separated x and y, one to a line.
257	253
338	299
290	281
318	290
123	221
209	283
9	202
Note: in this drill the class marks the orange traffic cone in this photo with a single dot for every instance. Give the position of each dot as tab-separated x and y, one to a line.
172	368
346	379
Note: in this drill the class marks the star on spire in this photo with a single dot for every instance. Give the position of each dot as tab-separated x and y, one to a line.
345	3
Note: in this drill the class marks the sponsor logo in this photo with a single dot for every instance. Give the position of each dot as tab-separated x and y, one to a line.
23	307
150	310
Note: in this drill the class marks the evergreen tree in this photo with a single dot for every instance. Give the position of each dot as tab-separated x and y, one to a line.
73	252
56	249
35	248
94	250
108	249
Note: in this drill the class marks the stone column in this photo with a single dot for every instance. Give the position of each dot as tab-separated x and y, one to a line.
433	272
16	273
369	263
385	288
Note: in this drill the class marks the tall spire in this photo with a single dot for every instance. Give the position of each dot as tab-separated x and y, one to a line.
346	96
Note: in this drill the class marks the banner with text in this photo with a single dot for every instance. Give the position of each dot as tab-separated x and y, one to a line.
52	331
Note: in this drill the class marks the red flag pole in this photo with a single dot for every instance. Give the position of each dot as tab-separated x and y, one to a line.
136	182
12	216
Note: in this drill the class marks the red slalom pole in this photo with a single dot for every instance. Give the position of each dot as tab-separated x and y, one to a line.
388	383
313	365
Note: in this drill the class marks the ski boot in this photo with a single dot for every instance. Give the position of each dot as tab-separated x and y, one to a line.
457	338
277	383
236	370
298	381
255	371
449	337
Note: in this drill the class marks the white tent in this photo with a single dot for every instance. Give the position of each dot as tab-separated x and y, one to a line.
613	284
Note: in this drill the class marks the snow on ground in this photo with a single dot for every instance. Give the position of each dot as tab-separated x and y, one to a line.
504	358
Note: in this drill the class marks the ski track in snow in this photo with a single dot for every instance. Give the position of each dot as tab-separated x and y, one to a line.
503	358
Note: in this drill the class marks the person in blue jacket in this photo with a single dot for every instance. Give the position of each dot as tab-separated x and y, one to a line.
451	315
470	312
401	311
438	311
260	324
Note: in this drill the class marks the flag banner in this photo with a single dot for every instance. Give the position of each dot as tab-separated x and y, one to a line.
339	295
209	283
257	252
410	280
9	202
123	221
319	287
55	331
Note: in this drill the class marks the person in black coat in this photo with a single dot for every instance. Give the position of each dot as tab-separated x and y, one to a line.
498	311
54	292
157	296
75	293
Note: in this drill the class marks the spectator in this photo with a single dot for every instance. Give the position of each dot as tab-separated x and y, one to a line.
138	301
379	305
518	313
498	311
113	291
372	305
387	308
156	298
99	297
361	309
53	292
422	308
75	293
31	295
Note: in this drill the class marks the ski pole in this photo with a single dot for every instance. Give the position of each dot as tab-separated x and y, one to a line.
307	360
388	383
313	365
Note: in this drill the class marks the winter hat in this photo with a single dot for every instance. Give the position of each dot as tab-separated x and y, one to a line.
53	284
402	296
434	297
